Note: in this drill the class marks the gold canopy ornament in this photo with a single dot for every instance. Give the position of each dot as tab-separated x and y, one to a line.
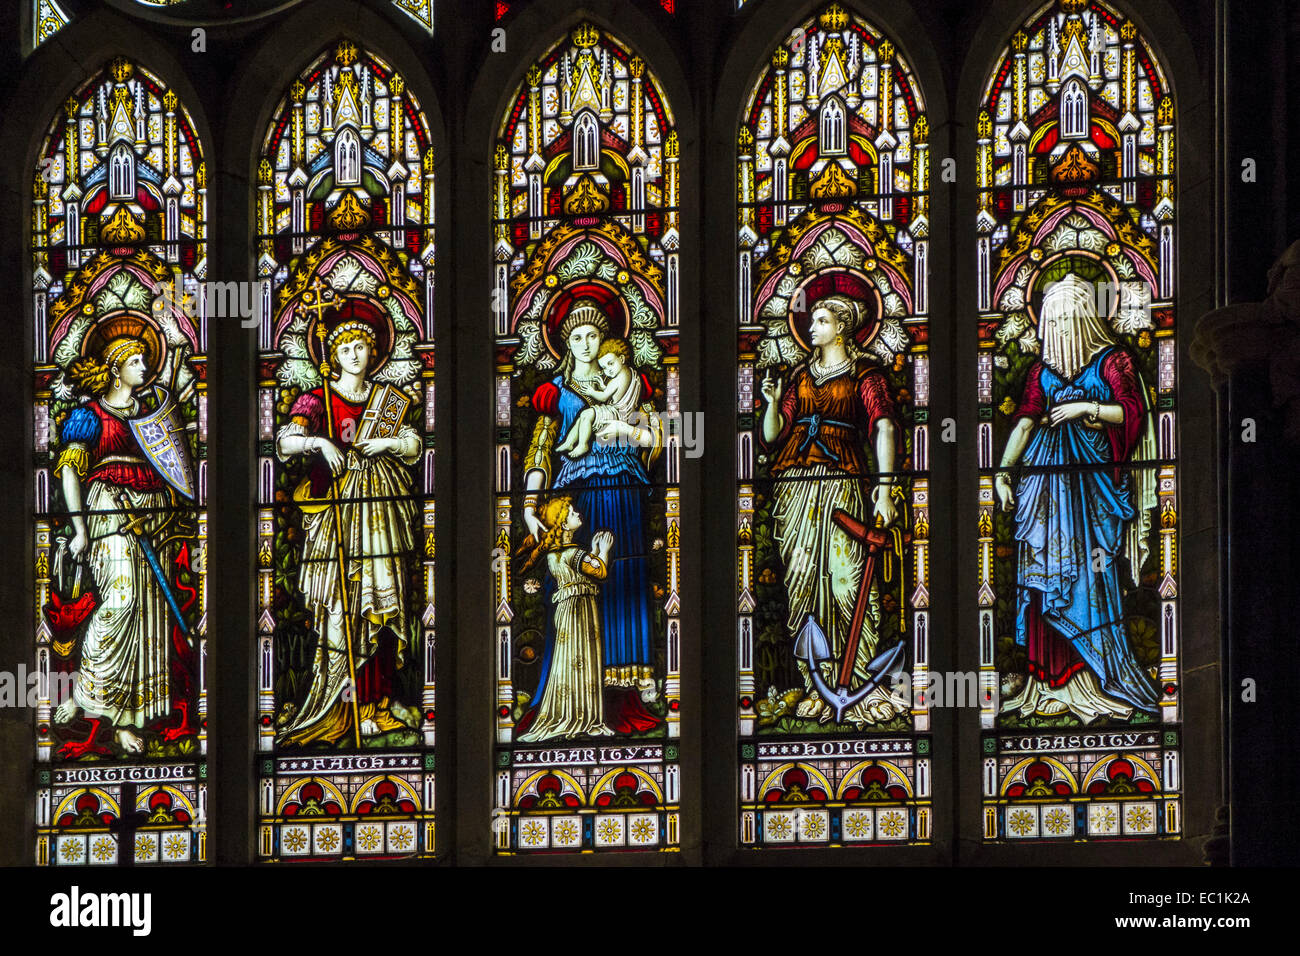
1075	168
586	36
834	18
833	184
123	229
348	215
585	199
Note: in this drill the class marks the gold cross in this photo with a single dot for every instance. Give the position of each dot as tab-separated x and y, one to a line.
323	298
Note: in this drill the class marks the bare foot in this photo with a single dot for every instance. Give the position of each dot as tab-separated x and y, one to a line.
406	715
809	707
129	741
369	728
67	710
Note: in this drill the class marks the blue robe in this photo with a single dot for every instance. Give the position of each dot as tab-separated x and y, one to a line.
1064	520
610	487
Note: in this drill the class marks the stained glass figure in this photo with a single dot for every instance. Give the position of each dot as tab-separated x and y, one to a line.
345	526
833	386
1077	390
589	434
119	252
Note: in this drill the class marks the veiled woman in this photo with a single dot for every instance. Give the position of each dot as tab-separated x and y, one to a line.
608	485
371	478
122	669
1082	415
817	427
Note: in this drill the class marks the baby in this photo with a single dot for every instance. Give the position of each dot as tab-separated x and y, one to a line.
618	398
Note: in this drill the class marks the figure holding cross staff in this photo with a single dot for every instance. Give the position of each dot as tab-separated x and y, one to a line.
358	523
817	427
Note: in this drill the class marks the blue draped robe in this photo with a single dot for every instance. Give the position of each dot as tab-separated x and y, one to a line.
1064	521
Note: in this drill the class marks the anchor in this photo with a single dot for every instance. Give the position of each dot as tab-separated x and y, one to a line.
813	647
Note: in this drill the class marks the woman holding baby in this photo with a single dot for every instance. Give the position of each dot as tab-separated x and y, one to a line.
607	476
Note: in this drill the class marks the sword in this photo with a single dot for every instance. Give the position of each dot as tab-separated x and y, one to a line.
134	527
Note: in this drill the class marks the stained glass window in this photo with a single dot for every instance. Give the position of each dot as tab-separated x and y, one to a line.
833	387
421	11
1078	613
588	438
48	19
118	251
345	573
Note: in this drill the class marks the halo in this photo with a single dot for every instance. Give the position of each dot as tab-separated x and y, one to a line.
1080	262
352	308
130	324
836	282
609	300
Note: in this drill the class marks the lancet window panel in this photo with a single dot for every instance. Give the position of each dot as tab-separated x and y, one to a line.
118	253
345	521
587	562
1077	396
832	508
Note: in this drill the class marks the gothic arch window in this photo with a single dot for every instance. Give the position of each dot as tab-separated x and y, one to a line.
121	174
1077	396
1074	109
346	400
832	127
347	158
833	391
587	562
586	142
119	247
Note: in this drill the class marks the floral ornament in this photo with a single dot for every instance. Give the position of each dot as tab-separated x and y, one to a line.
1129	299
402	837
72	851
778	827
643	830
103	848
1057	821
814	827
369	838
838	248
610	830
295	840
585	261
1021	822
1103	819
175	846
350	277
857	824
566	831
532	833
327	840
1138	818
893	823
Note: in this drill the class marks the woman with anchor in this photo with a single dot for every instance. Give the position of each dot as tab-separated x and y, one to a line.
837	402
